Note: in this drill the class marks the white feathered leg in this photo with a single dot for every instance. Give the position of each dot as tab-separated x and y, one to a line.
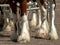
53	33
9	26
24	37
34	20
44	29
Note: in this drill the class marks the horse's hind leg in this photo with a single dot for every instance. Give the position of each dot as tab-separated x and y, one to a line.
44	28
7	23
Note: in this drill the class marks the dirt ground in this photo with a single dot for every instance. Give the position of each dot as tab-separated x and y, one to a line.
5	39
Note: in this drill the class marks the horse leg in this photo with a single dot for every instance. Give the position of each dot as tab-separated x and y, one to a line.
24	36
13	25
44	28
9	23
33	21
39	18
6	21
53	33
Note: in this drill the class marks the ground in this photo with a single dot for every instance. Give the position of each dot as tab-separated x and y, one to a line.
5	39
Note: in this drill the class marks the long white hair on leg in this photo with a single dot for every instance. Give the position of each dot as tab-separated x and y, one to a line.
9	26
43	31
53	33
33	22
24	37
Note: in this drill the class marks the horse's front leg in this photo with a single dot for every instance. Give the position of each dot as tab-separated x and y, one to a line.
33	21
53	33
24	35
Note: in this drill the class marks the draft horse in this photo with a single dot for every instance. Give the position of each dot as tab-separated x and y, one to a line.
24	31
44	28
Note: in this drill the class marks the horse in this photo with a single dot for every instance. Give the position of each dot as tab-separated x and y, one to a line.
44	28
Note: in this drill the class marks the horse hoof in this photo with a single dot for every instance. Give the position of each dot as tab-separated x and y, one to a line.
23	39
